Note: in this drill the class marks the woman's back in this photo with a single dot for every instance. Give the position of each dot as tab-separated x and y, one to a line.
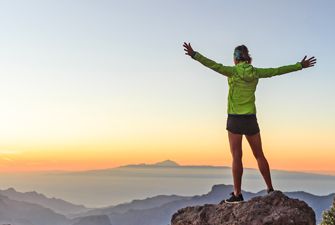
242	86
243	79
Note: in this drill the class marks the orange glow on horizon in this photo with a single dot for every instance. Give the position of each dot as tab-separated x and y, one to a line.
204	144
75	160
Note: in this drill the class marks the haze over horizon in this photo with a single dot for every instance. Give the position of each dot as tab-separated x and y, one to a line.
99	84
164	163
116	185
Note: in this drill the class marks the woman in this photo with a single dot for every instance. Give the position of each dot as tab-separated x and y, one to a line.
242	80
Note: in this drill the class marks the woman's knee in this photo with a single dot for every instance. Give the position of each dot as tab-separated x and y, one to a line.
236	154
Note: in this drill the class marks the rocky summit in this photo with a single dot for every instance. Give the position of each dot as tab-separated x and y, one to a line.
272	209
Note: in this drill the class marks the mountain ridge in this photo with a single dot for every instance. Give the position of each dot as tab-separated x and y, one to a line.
158	208
25	213
57	205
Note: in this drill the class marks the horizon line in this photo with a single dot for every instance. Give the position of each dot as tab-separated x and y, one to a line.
315	172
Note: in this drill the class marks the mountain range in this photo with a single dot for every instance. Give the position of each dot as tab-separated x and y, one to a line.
150	211
144	181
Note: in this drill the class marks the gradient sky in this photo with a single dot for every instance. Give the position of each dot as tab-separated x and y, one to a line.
94	84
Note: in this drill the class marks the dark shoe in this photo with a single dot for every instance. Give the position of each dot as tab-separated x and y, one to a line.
270	190
233	199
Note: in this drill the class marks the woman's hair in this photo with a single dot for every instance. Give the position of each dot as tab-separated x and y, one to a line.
241	53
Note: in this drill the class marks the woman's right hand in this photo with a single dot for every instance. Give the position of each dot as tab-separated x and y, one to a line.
309	62
188	49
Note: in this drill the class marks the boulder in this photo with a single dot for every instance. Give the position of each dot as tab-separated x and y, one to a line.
272	209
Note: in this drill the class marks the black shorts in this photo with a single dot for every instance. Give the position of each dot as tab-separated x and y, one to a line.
242	124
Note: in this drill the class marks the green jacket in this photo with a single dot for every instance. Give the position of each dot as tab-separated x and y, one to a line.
242	80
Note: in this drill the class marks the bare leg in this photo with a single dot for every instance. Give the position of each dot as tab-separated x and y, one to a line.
263	165
235	142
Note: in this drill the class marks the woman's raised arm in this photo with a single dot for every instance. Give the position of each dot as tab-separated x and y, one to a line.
269	72
218	67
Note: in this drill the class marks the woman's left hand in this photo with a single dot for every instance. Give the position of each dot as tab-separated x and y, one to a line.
309	62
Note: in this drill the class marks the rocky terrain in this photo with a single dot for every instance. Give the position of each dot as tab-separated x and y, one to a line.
273	209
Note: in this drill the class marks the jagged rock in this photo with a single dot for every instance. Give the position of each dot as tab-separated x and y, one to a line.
94	220
273	209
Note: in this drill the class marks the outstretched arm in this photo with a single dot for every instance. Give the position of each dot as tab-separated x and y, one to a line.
224	70
269	72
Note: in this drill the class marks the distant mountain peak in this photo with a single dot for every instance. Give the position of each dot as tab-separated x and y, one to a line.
10	189
167	163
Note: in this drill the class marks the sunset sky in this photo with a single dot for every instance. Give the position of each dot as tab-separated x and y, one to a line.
96	84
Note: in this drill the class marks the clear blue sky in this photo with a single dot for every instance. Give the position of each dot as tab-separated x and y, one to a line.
87	64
